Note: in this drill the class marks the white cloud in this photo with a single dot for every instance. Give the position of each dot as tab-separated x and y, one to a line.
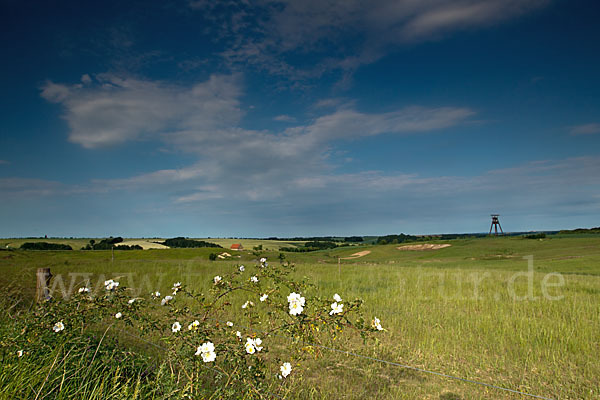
257	165
333	103
116	110
204	120
203	194
435	17
284	118
348	123
586	129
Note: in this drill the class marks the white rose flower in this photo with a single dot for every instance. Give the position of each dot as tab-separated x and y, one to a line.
337	297
264	297
336	308
217	279
376	324
253	345
118	315
209	357
207	347
84	290
242	268
296	308
250	348
176	327
207	351
110	284
59	326
254	279
294	297
296	303
229	323
176	287
166	300
131	301
248	303
193	325
285	369
20	353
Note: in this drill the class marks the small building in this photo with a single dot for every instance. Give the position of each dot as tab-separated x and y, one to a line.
237	246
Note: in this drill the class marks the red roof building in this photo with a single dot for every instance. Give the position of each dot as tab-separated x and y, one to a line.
237	246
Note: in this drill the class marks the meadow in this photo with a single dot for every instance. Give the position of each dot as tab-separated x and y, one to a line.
506	311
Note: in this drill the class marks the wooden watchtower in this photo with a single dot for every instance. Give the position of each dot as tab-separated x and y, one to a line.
495	224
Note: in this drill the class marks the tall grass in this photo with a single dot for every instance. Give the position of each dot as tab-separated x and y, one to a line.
450	311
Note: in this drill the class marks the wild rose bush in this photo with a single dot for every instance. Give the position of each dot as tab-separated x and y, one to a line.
224	337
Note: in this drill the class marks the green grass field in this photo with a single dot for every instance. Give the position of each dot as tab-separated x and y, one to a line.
472	310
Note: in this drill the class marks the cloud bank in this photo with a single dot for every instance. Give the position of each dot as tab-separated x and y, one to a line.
205	120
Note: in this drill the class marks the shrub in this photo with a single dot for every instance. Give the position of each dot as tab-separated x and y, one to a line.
209	356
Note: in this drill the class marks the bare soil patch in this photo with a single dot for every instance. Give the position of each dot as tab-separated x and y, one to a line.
357	255
423	247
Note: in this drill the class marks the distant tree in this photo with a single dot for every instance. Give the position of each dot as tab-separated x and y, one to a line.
181	242
321	245
132	247
212	256
105	244
535	236
45	246
311	246
355	239
397	239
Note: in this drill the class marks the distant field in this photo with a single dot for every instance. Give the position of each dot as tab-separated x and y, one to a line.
249	244
449	310
75	243
78	243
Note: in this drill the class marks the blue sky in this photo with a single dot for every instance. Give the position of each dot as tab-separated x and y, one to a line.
281	118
